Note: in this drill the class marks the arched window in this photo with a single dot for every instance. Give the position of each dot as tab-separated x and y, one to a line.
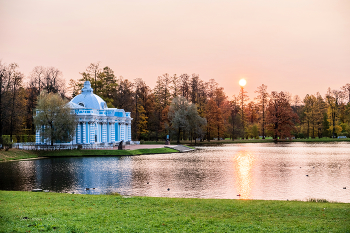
81	104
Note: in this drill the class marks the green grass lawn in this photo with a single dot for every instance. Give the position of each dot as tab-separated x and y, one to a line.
15	154
37	212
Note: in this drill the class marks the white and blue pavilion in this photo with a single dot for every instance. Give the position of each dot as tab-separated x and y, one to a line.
96	122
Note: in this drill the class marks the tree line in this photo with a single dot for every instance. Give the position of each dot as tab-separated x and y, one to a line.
182	106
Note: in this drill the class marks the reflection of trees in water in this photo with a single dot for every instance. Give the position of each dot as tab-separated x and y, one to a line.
19	175
274	173
191	176
56	174
243	164
67	174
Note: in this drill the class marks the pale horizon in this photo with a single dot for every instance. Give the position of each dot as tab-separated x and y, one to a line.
299	46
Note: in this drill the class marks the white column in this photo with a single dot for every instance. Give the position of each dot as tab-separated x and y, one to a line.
126	132
104	132
119	132
108	135
78	133
129	132
92	132
84	133
122	132
87	135
99	130
112	132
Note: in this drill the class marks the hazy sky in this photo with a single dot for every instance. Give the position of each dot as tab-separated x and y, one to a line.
299	46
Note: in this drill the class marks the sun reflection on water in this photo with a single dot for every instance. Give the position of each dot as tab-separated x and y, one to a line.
243	164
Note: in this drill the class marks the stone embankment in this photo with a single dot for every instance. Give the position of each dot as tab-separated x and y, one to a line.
180	148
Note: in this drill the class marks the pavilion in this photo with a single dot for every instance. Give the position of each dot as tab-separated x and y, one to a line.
96	122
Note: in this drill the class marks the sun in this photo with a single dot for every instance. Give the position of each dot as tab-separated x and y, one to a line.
242	82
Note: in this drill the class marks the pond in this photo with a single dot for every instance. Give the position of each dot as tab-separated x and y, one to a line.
267	171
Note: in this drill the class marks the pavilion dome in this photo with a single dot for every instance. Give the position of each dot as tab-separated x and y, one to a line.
88	99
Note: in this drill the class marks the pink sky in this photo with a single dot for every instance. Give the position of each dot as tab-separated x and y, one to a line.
299	46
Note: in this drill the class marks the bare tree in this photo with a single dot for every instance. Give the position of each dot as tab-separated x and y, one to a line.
175	85
346	91
2	77
185	85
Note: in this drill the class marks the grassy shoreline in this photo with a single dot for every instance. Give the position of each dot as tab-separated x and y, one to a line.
34	212
16	154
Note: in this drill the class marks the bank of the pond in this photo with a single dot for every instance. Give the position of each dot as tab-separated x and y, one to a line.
228	141
34	212
16	154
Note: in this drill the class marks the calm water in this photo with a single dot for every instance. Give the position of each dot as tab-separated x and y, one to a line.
254	171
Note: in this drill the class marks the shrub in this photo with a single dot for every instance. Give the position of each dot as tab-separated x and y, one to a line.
7	142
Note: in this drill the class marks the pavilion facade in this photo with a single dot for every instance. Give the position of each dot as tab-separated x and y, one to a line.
96	122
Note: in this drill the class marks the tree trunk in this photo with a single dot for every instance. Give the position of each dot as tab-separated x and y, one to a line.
233	129
333	130
263	124
275	134
208	134
1	129
178	135
218	133
13	109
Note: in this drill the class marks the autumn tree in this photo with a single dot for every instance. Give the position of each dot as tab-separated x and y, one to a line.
108	86
162	100
333	98
73	87
12	100
262	99
196	123
280	116
16	99
41	78
194	84
123	95
175	86
319	114
53	118
183	117
243	98
92	74
313	114
185	86
53	82
103	81
37	79
141	124
144	97
251	113
309	102
215	121
235	119
177	115
346	91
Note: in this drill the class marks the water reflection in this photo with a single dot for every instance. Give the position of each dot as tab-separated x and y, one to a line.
255	171
243	166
